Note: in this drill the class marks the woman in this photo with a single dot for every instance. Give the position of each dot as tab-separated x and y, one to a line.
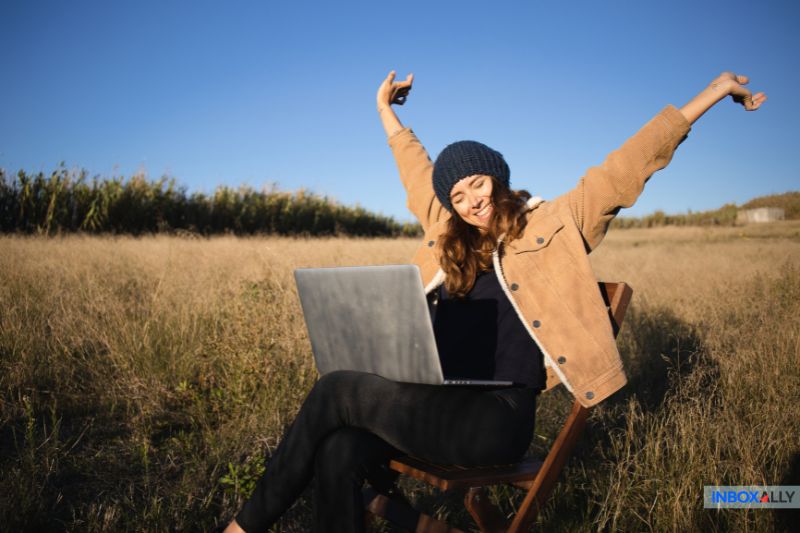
511	291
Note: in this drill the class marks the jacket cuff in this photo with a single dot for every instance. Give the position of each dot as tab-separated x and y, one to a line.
675	120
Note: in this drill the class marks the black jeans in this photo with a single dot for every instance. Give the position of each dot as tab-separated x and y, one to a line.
352	422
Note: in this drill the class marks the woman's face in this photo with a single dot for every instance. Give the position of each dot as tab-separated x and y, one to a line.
472	200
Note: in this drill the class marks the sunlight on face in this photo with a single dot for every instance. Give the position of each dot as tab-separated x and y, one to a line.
472	200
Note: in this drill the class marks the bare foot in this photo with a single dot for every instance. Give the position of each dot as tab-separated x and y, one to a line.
234	527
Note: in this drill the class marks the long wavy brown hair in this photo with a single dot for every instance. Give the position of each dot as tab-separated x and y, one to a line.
466	250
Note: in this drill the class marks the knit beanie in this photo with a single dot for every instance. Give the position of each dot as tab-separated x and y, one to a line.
462	159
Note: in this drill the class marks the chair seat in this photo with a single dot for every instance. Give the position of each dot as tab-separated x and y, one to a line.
447	477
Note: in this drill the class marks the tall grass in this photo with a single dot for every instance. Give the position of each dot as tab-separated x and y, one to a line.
142	380
68	201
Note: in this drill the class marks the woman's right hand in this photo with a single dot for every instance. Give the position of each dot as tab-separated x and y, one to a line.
393	92
734	85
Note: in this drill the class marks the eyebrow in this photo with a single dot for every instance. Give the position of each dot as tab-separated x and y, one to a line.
475	178
471	182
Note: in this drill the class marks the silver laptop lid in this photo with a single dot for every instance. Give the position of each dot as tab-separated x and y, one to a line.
372	319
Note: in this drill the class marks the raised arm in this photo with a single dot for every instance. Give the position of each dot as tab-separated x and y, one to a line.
619	180
413	162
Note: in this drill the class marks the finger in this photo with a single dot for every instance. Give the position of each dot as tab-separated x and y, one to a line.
390	77
407	82
741	78
757	100
751	103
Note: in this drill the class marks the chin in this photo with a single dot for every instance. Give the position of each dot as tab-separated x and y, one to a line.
482	226
485	224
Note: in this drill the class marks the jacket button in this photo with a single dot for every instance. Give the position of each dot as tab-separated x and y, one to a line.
589	395
430	244
562	360
536	323
539	240
514	286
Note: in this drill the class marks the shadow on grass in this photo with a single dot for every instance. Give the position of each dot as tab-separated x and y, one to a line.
658	350
81	466
787	519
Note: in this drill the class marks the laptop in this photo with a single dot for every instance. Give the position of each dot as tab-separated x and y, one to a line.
374	319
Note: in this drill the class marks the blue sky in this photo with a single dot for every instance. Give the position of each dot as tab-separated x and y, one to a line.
263	93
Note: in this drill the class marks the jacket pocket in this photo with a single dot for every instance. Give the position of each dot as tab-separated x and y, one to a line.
540	234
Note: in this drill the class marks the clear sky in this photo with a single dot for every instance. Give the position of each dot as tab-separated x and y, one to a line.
270	92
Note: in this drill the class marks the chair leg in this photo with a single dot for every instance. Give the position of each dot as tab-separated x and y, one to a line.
546	480
484	512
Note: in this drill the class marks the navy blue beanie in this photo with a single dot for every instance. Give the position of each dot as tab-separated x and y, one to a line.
462	159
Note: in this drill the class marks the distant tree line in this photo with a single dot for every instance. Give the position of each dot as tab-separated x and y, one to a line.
70	201
724	216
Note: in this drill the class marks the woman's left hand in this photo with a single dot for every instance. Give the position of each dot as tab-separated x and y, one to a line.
723	85
734	84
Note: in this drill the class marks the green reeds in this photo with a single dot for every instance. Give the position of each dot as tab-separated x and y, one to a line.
69	201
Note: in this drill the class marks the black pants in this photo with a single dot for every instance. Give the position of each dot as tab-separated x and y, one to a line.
352	422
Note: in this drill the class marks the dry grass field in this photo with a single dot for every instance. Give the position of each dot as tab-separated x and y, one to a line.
142	380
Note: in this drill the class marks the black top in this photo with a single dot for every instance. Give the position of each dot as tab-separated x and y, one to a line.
482	337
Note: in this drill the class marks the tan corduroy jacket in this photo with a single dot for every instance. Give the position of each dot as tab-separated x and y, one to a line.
546	273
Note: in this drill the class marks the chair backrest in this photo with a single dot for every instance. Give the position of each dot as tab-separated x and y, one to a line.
617	296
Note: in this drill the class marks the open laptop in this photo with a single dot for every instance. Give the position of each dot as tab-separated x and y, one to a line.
373	319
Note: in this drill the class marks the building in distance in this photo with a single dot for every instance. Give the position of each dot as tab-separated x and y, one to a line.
759	214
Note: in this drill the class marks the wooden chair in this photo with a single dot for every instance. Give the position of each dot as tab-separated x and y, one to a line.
536	477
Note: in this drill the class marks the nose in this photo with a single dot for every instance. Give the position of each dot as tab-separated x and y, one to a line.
475	200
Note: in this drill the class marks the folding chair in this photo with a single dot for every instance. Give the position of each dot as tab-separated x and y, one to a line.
536	477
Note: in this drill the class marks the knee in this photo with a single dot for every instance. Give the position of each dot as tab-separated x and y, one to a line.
334	384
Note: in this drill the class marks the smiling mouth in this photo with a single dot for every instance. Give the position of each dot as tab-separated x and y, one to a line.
484	212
